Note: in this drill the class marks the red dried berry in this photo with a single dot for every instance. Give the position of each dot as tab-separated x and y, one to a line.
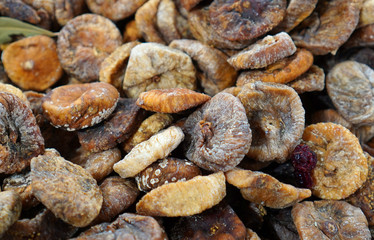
304	160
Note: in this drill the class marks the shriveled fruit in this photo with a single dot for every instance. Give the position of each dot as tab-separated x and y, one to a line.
304	160
43	226
147	129
327	219
10	210
146	20
21	183
363	197
171	100
245	19
328	27
113	67
99	164
184	198
166	171
201	29
330	115
65	188
264	52
65	10
126	226
167	20
296	12
118	195
155	66
261	188
219	222
83	44
282	71
145	153
117	128
362	37
216	73
349	85
276	117
115	10
310	81
32	63
20	136
341	165
218	134
79	106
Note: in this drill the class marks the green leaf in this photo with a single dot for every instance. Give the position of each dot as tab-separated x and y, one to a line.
11	26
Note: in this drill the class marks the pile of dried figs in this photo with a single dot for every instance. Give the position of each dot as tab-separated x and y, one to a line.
187	119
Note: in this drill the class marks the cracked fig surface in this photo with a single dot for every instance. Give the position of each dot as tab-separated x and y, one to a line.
184	198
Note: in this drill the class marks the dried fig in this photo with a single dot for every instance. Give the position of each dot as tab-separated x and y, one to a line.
184	198
276	117
245	19
11	206
32	63
172	100
218	134
310	81
115	10
167	20
155	66
83	44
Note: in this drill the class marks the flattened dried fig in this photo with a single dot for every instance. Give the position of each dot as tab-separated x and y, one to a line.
219	222
99	164
126	226
146	20
21	183
114	66
184	198
363	197
349	85
218	74
79	106
43	226
114	9
155	66
296	12
32	63
167	20
10	210
147	128
276	117
166	171
201	29
20	136
282	71
328	27
83	44
310	81
172	100
118	195
366	13
14	90
218	134
341	164
145	153
65	188
264	52
121	124
328	219
261	188
245	19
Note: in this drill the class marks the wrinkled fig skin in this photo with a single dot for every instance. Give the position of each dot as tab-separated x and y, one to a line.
10	209
65	188
20	136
